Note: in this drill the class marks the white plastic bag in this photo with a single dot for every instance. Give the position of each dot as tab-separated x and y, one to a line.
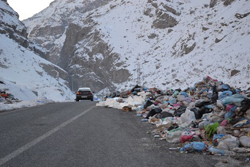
188	117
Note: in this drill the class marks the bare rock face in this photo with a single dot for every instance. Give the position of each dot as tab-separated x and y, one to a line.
228	2
213	3
164	20
92	68
225	2
171	10
88	59
54	71
183	47
37	35
17	31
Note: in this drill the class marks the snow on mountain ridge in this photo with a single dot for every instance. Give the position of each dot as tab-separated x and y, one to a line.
175	43
188	38
25	69
10	17
23	73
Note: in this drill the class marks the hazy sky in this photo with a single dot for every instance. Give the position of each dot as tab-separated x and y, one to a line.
27	8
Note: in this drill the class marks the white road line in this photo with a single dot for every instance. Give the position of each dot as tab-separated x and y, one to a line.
39	139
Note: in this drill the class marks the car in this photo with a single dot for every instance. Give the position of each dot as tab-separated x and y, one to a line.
84	93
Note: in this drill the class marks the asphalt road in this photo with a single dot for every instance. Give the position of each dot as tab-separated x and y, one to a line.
82	135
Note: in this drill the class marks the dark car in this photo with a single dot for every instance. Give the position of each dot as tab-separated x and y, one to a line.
84	94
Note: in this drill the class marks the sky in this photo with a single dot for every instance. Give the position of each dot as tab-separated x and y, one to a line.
27	8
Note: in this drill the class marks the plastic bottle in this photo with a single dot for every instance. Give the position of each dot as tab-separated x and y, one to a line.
144	120
213	150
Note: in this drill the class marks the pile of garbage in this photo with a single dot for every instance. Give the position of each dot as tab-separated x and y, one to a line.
210	118
6	97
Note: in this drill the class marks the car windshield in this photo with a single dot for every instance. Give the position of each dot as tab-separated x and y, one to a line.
84	90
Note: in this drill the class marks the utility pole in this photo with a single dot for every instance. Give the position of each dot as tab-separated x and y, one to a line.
72	83
138	71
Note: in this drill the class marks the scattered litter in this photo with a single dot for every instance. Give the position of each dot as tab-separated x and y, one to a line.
210	117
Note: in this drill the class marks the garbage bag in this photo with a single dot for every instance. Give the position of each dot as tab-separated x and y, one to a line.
195	147
164	115
197	114
242	123
188	117
245	105
225	94
180	111
136	88
216	137
172	100
224	122
214	97
173	126
234	99
228	142
176	92
174	135
181	98
230	111
223	87
201	103
184	94
147	104
203	110
153	112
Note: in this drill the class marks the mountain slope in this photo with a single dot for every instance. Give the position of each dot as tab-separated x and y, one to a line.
23	73
155	43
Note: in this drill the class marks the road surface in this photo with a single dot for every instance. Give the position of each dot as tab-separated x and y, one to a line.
79	134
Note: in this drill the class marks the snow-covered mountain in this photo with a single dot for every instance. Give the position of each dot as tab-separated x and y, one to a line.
164	43
23	73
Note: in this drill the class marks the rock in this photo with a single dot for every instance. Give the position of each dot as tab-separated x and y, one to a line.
228	142
236	133
164	20
247	130
234	72
213	3
247	114
228	2
245	141
126	109
224	161
241	150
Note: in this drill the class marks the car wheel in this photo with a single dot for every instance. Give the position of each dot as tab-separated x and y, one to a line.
77	100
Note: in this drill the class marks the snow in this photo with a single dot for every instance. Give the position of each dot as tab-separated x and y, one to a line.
162	59
10	17
232	52
98	56
23	76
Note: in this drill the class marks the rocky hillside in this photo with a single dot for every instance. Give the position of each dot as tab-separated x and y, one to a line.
162	43
23	72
